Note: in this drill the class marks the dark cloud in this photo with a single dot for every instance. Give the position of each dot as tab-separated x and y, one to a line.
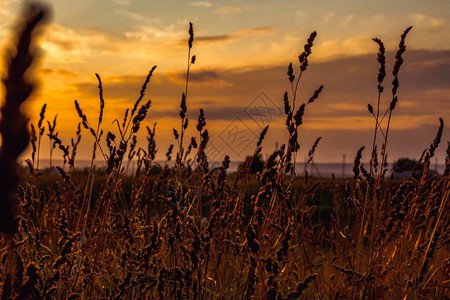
198	76
351	82
210	39
349	85
46	71
62	72
231	36
213	38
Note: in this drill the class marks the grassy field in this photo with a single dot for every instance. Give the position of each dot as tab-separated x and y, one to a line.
189	231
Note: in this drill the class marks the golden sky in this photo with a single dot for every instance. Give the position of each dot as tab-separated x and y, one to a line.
242	49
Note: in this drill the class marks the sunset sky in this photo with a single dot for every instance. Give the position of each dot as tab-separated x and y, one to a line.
243	49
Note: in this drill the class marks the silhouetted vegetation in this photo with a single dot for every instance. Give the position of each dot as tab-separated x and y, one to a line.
187	230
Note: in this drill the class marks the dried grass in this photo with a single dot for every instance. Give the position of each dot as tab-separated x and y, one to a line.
187	232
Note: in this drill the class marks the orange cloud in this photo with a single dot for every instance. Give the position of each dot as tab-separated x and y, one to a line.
427	21
232	9
201	4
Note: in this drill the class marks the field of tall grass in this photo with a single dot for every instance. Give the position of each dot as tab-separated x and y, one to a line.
186	230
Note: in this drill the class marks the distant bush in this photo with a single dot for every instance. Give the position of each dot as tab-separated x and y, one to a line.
404	164
256	164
